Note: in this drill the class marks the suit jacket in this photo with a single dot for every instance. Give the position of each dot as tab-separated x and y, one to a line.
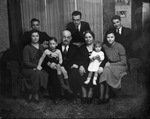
78	36
26	38
125	38
71	57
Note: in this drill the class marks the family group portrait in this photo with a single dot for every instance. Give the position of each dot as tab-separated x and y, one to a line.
74	59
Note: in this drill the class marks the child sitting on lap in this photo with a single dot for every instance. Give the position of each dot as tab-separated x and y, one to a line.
96	57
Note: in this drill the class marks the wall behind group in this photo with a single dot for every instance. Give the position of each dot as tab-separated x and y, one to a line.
4	30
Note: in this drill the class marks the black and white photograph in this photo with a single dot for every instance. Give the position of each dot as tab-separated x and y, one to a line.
74	59
122	14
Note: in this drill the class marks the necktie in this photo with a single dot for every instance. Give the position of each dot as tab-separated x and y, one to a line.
77	28
117	31
65	50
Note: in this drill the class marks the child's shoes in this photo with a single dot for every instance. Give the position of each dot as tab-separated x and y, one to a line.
87	82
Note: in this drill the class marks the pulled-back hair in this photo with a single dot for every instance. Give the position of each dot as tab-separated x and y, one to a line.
105	37
91	32
34	31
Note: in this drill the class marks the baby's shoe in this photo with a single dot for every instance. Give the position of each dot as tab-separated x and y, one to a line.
87	82
94	82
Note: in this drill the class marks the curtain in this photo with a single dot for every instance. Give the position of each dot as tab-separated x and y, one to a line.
15	25
53	15
15	28
92	12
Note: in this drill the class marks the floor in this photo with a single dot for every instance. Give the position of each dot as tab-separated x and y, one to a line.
131	102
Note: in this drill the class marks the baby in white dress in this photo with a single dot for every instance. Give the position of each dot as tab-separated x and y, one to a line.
96	57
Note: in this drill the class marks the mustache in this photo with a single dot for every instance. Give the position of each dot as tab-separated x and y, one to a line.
66	41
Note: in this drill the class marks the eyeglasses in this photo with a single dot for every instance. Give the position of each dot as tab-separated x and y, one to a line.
68	37
76	19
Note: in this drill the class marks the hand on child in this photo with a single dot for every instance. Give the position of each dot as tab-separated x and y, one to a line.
53	65
39	68
54	55
45	44
82	70
107	64
100	70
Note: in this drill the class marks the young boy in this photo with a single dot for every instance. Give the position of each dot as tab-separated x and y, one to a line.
55	60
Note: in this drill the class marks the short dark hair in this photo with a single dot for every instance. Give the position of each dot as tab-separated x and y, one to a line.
75	13
53	38
91	32
116	17
105	37
34	19
34	31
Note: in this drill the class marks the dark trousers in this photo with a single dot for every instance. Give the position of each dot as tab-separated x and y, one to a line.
53	86
75	81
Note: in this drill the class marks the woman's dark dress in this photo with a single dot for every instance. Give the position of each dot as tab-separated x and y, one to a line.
34	78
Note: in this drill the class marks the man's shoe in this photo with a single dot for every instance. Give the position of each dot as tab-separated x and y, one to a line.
56	101
100	101
75	101
84	100
106	100
89	100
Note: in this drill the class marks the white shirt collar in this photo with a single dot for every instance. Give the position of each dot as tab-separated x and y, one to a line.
120	30
63	47
79	26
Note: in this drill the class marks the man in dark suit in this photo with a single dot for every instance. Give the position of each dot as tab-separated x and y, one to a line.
77	28
69	53
26	38
123	34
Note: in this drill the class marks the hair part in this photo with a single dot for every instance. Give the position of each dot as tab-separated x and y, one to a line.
53	38
90	32
116	17
34	19
75	13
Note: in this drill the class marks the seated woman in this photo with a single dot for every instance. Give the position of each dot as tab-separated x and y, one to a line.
79	76
34	78
114	69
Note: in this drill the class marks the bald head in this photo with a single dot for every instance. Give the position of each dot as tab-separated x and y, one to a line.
66	37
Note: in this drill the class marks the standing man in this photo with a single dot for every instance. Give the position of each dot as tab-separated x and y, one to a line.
123	34
44	37
77	28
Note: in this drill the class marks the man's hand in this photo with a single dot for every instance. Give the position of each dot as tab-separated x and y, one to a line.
100	70
74	66
82	70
